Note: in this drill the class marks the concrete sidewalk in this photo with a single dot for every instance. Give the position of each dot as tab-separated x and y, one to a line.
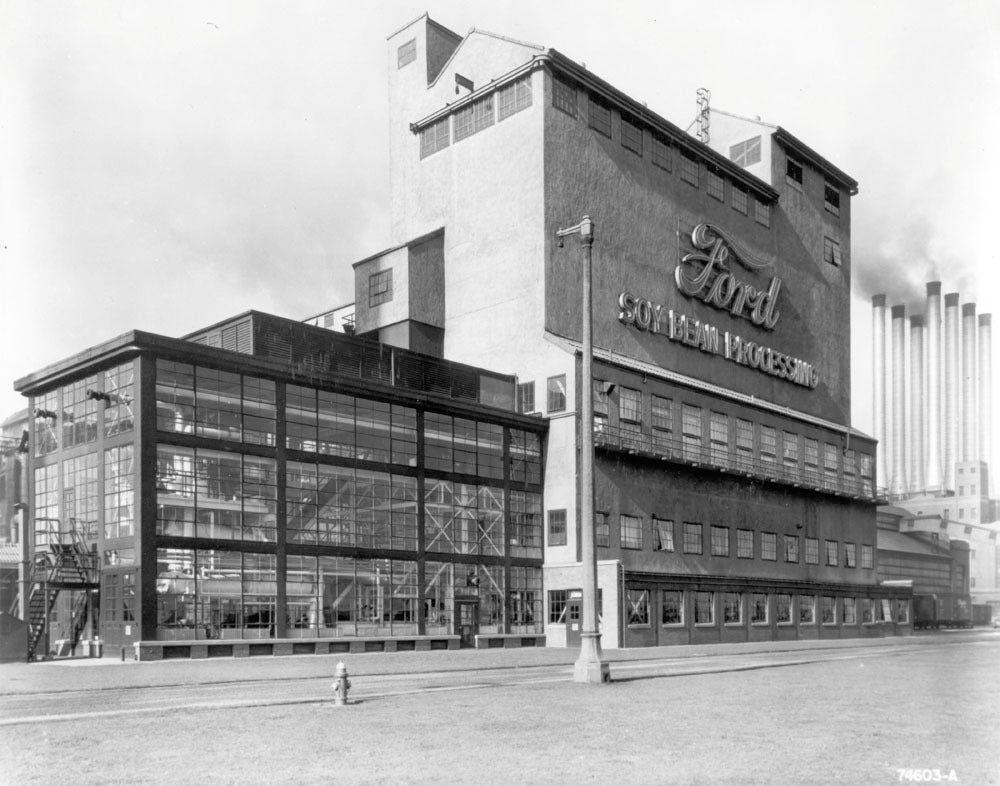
109	672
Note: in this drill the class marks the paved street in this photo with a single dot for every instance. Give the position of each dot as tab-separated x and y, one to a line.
885	710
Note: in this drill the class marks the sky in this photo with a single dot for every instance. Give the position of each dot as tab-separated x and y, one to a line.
164	166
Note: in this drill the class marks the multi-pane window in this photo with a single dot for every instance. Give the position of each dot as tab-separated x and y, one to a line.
720	541
831	553
768	444
831	198
828	610
867	611
79	413
810	457
564	96
672	607
716	186
850	555
46	418
557	606
850	612
807	609
631	532
692	538
831	251
525	529
744	444
661	153
525	456
524	600
602	404
902	609
380	287
732	608
744	543
789	449
704	608
119	492
80	499
661	414
46	512
557	527
768	546
602	530
689	168
865	470
867	556
691	430
782	608
791	548
406	53
119	391
663	534
758	608
631	134
556	393
762	213
526	397
435	137
473	118
514	97
739	199
812	551
599	116
745	153
718	435
630	405
829	466
793	173
637	607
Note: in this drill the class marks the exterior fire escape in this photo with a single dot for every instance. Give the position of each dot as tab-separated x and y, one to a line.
61	563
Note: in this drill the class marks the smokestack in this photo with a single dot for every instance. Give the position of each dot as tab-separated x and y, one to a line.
970	412
985	390
917	412
932	476
951	379
879	367
897	483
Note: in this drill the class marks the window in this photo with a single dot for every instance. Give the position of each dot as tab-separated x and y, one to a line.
631	530
599	116
768	444
812	551
557	527
807	609
850	612
867	557
902	610
704	608
672	607
435	137
631	134
793	173
791	548
557	606
732	608
831	553
689	168
783	608
744	444
762	213
720	541
662	420
691	428
768	546
789	449
119	493
849	555
831	251
831	198
526	397
663	535
407	53
692	538
744	543
758	608
745	153
513	98
556	387
473	118
716	186
602	530
810	451
638	607
867	611
828	610
661	153
602	401
564	96
630	405
739	199
718	435
379	287
829	466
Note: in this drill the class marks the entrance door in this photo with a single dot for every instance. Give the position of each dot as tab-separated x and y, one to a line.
574	618
467	622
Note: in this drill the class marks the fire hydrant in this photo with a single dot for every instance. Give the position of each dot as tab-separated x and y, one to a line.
341	685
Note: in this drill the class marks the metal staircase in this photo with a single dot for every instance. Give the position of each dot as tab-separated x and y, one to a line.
62	562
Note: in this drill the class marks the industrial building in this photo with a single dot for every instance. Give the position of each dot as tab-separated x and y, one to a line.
734	501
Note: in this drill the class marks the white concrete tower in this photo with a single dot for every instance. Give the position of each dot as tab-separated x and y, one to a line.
879	367
970	379
897	482
918	414
932	417
952	405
